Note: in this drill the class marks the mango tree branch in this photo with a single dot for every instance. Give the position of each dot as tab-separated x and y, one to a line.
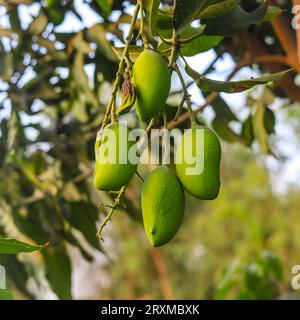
276	59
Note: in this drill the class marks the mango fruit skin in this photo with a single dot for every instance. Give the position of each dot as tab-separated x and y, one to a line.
206	184
163	203
152	80
112	175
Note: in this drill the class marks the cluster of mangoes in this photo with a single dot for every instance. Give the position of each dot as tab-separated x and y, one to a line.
163	199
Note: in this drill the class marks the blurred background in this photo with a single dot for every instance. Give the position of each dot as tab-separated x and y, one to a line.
56	69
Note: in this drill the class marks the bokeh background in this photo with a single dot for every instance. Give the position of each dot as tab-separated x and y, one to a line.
56	69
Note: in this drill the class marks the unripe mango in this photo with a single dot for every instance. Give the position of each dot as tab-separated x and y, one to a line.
204	183
113	172
162	205
152	80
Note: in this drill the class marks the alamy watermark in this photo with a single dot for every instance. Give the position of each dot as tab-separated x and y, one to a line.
295	283
137	146
296	19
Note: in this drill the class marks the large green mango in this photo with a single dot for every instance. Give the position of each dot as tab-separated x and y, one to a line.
205	182
111	172
162	205
152	80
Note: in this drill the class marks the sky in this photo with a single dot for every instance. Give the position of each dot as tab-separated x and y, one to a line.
286	142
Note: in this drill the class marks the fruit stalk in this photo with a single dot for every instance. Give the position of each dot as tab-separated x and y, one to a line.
112	104
111	212
187	97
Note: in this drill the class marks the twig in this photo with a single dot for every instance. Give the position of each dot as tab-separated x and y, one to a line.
112	104
187	97
162	271
142	26
111	212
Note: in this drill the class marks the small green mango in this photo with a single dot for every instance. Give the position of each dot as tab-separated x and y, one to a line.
152	80
111	172
162	206
204	184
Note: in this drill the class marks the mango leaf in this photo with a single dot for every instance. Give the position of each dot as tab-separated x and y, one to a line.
185	12
234	21
151	10
200	44
12	246
247	130
97	34
193	42
260	130
83	216
269	120
272	13
220	125
105	5
218	9
207	85
58	272
133	51
16	272
222	109
271	263
164	25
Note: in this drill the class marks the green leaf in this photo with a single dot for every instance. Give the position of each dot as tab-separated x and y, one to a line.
200	44
185	12
151	10
133	51
220	125
271	263
5	294
260	130
222	109
208	85
164	25
12	246
272	13
247	130
234	21
83	216
97	34
193	42
269	120
218	9
58	272
105	5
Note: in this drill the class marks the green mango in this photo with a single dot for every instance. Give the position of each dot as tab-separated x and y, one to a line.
111	172
203	183
152	80
162	205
